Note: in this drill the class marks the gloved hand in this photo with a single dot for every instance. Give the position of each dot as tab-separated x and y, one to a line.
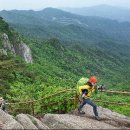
101	87
84	93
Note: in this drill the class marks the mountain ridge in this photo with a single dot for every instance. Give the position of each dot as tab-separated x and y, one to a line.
60	24
112	12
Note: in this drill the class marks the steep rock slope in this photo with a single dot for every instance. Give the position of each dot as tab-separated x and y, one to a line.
21	121
109	120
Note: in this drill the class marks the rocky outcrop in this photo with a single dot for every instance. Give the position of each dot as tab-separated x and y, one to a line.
17	47
30	122
67	121
24	51
107	116
25	122
3	52
8	122
6	43
21	121
38	123
72	120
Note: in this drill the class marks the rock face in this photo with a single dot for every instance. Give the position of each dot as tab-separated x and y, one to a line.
3	52
18	48
67	121
107	116
8	122
24	51
73	120
38	123
25	121
6	43
20	122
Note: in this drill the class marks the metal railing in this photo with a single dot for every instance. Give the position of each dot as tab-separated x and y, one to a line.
31	106
41	106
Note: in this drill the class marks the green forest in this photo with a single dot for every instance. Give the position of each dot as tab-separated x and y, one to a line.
60	60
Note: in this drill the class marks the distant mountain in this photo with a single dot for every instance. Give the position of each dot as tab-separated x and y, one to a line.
51	22
111	12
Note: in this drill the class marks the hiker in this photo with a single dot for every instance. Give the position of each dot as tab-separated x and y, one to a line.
2	104
85	93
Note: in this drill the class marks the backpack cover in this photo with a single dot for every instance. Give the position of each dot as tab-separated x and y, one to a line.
81	82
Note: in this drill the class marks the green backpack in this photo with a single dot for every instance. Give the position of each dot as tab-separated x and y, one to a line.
81	82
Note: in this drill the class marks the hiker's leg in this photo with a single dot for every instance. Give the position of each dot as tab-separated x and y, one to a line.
81	105
88	101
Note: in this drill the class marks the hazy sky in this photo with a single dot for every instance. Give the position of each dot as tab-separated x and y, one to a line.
40	4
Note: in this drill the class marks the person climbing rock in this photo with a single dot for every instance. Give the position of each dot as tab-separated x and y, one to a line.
85	93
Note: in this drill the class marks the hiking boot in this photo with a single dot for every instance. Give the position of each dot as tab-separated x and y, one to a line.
97	118
81	112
